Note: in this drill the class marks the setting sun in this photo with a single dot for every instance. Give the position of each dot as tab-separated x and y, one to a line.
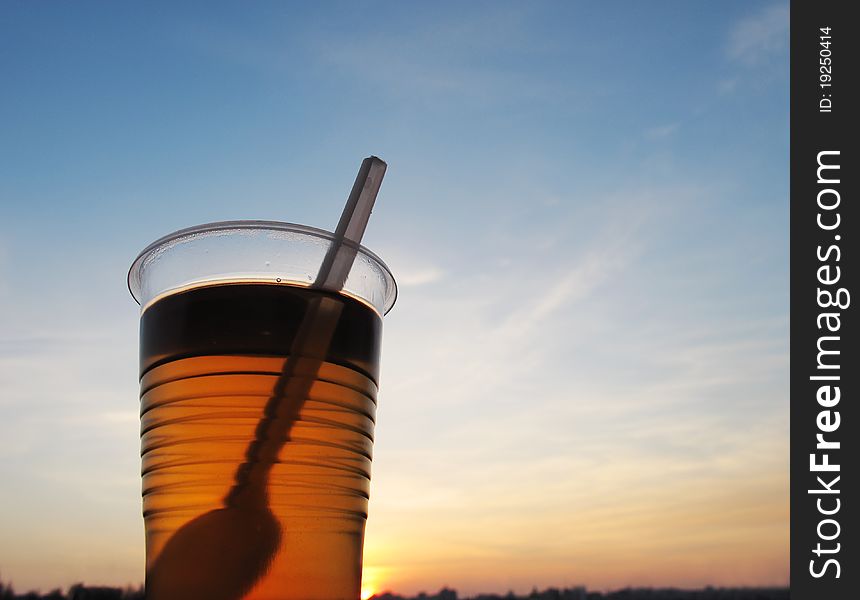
370	581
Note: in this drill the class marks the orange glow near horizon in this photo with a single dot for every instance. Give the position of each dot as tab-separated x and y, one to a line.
370	578
680	531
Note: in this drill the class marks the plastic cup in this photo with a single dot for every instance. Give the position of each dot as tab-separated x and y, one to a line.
256	442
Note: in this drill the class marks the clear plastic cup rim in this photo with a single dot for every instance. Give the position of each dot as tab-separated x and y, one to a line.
171	240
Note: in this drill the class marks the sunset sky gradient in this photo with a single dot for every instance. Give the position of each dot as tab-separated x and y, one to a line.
585	378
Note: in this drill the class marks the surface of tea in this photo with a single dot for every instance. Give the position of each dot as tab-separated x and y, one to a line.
226	519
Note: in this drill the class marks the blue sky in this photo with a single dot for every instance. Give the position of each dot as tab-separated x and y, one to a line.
586	208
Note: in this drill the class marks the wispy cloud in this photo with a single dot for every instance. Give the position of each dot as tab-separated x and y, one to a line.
411	274
760	37
464	60
662	131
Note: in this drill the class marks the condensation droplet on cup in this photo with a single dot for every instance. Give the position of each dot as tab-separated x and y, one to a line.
278	279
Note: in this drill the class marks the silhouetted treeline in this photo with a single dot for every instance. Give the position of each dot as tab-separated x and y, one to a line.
82	592
580	593
78	591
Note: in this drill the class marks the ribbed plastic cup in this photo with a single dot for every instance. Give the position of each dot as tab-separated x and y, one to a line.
256	467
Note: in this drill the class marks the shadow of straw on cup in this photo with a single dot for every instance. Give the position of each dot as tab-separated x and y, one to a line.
223	553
